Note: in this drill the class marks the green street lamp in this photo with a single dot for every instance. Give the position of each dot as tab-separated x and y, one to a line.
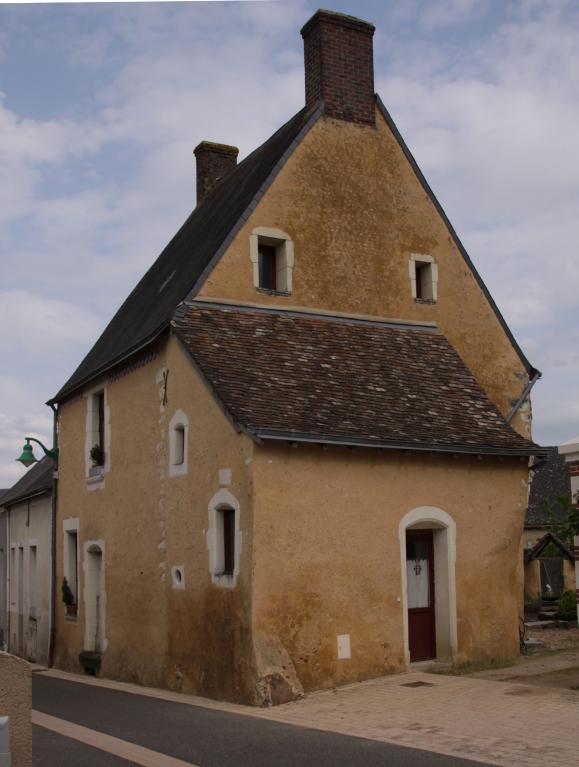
27	458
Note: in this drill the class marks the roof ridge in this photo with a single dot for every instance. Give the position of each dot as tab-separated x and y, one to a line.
306	313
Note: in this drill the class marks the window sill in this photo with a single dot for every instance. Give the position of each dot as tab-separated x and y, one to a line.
71	618
96	479
226	580
425	301
269	292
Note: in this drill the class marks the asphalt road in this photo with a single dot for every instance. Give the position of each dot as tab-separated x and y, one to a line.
199	735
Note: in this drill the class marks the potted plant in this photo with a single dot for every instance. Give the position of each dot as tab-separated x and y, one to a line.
68	598
97	455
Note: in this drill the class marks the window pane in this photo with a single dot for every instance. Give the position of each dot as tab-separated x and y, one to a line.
267	267
228	540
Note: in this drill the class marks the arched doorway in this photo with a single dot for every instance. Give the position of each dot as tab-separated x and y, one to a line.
427	556
95	599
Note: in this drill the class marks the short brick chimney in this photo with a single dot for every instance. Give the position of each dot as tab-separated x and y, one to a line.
213	162
339	66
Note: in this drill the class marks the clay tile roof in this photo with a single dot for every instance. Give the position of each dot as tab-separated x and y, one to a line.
319	378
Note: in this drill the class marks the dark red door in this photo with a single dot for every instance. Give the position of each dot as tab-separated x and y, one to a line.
420	591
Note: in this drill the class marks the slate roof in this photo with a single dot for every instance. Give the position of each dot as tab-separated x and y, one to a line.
551	480
297	376
149	308
36	481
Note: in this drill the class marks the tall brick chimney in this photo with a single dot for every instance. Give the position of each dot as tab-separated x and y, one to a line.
213	162
339	66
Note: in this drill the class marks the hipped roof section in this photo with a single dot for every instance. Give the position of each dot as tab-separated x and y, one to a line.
286	375
183	265
36	481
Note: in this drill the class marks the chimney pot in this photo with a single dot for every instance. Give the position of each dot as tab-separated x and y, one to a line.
213	162
339	66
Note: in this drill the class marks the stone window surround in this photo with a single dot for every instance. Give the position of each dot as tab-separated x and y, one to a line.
71	525
177	422
416	260
284	248
96	481
223	499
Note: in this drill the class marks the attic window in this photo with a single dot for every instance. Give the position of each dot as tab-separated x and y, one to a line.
272	258
423	278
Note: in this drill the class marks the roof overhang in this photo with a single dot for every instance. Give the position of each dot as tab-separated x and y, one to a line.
264	435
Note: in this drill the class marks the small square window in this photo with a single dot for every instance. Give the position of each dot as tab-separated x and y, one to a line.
423	278
271	252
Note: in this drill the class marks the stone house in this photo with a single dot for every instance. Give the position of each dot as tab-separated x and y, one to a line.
25	515
286	463
549	561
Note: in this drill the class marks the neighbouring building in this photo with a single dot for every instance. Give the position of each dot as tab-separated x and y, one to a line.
26	513
298	455
549	561
3	578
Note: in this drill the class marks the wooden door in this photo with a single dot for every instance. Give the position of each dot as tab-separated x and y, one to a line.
420	595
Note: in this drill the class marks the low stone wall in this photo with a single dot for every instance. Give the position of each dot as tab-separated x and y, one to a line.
16	702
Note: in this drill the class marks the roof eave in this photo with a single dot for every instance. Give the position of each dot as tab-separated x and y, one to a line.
423	447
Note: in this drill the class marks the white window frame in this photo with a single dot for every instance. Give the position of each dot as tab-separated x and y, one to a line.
223	500
178	422
69	526
430	287
94	474
284	246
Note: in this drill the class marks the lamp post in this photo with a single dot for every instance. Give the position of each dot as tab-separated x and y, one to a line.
28	458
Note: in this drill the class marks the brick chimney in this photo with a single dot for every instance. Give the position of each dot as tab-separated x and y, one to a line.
340	66
213	162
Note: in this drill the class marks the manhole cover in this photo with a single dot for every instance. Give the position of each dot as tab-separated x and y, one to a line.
417	684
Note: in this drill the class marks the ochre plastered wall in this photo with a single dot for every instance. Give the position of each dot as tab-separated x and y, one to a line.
196	639
327	554
355	210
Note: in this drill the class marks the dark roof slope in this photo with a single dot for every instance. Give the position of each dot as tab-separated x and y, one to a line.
149	308
551	481
36	481
296	376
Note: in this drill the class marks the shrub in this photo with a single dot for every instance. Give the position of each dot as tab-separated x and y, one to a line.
567	606
67	595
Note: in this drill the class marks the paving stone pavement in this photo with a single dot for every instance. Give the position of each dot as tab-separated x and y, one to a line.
512	725
500	723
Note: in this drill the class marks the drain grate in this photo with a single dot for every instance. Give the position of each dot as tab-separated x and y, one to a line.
417	684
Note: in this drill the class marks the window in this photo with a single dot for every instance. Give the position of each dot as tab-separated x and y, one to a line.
97	435
224	539
179	456
272	257
178	431
70	564
423	278
267	266
228	540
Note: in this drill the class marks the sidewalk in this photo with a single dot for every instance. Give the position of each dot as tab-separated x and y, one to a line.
502	723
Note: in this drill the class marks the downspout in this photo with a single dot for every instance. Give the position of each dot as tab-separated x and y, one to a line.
51	636
526	391
8	578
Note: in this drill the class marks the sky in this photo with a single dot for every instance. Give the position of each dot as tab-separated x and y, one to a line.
101	106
